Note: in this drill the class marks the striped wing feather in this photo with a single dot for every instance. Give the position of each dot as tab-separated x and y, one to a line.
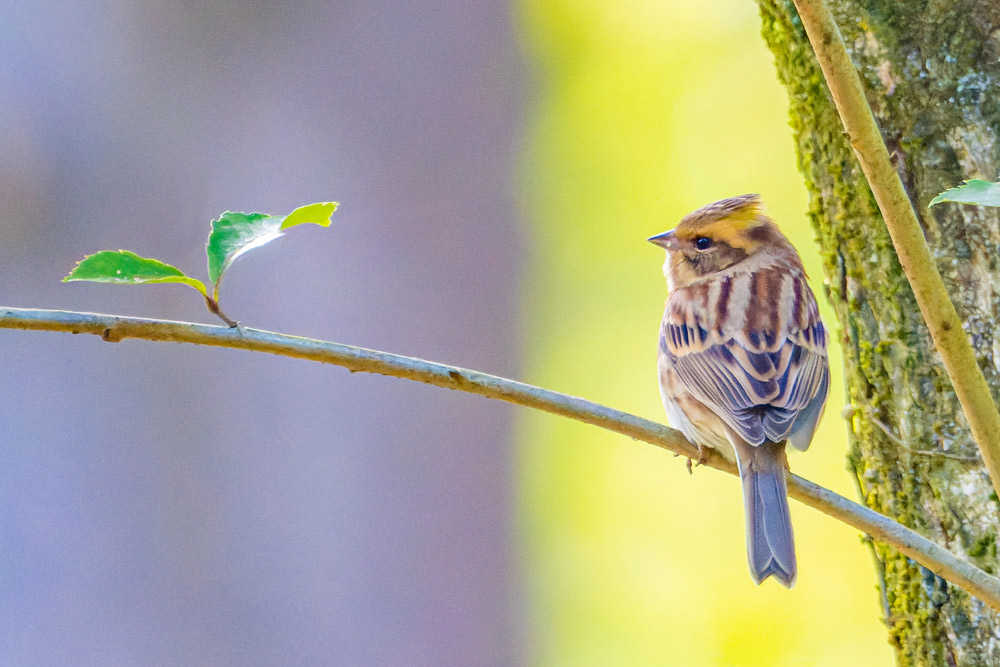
763	370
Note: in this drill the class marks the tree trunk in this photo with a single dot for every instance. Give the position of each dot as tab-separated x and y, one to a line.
932	74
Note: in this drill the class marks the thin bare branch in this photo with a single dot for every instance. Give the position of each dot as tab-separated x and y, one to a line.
113	328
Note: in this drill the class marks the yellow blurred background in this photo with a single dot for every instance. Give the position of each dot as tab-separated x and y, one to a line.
642	112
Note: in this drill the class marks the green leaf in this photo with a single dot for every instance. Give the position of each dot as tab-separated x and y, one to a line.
983	193
317	214
127	268
234	234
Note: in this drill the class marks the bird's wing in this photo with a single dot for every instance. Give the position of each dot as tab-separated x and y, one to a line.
763	371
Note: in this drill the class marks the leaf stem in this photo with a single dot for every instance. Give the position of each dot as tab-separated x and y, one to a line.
904	228
213	307
356	359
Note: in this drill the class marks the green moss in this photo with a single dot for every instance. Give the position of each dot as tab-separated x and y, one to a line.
984	547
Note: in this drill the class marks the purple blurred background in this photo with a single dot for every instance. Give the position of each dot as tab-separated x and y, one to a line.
167	504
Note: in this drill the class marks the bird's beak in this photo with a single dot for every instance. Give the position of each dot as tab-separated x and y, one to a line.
665	240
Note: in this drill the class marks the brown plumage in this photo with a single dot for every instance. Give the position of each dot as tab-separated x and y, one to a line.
742	360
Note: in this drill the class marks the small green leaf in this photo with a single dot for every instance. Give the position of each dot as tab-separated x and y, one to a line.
127	268
317	214
236	233
983	193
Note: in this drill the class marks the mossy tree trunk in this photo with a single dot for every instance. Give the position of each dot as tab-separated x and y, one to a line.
932	73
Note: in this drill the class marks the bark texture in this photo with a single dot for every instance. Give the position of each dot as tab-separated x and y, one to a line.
932	74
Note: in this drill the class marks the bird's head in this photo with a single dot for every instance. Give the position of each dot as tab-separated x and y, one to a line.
719	236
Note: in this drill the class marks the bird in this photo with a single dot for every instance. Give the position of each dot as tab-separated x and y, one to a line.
742	361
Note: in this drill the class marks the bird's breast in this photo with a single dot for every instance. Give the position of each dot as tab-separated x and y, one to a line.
758	310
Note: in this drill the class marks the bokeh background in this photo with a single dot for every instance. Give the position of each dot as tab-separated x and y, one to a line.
499	165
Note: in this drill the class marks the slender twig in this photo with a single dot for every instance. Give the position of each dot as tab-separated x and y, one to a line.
932	453
114	328
869	414
907	237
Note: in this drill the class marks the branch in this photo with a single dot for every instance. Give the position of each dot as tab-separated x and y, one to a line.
904	229
113	329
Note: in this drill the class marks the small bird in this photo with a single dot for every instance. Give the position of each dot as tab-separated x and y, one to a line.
742	360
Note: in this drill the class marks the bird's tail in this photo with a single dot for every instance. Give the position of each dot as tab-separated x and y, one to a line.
770	546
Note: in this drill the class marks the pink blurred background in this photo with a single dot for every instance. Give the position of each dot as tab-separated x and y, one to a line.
162	504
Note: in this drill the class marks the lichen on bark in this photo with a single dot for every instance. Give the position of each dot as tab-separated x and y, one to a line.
931	71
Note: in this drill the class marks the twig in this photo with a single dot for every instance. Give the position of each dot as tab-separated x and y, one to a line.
920	452
907	237
869	414
114	328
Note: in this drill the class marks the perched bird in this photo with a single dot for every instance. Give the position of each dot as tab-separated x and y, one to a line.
742	360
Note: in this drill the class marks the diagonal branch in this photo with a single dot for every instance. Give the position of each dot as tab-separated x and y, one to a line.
113	329
907	237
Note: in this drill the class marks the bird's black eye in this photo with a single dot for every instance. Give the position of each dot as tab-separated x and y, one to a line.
703	243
